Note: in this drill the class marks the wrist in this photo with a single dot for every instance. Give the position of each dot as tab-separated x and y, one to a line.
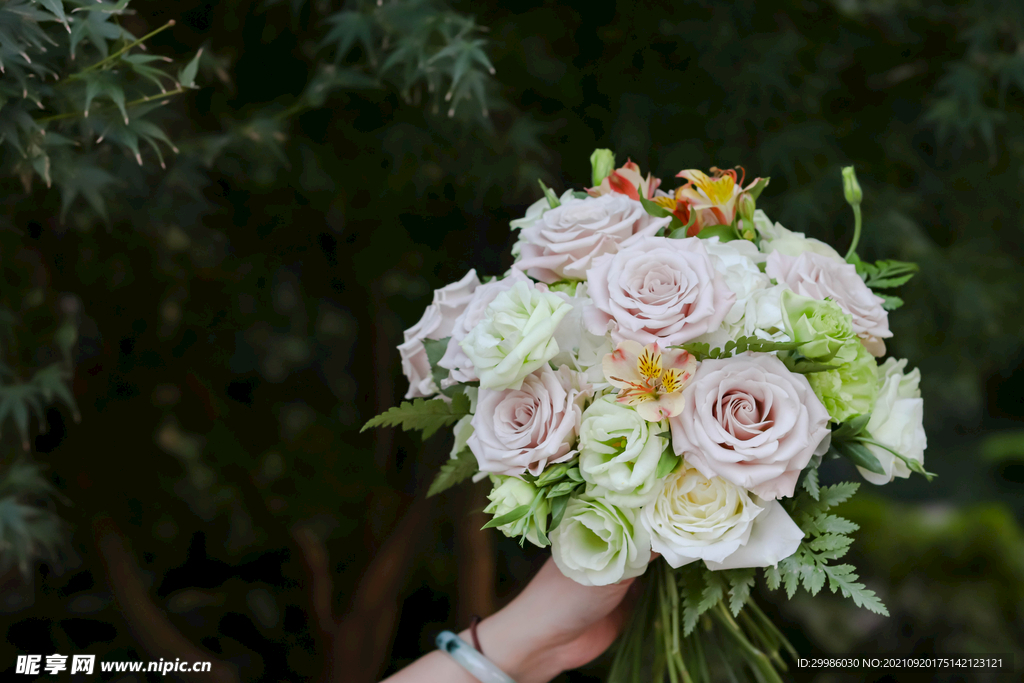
513	649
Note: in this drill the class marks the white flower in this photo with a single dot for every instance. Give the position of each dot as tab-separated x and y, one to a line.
737	262
437	322
579	348
507	494
696	518
516	335
897	421
563	242
763	315
598	544
515	430
774	237
455	360
619	453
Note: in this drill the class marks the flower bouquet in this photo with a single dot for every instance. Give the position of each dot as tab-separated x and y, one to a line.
665	372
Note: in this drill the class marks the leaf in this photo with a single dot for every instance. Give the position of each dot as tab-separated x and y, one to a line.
561	489
436	349
889	302
851	427
861	456
843	578
758	187
509	517
669	461
453	472
826	524
790	569
772	577
725	233
187	76
427	415
837	493
549	194
810	482
580	195
830	546
558	506
740	582
56	7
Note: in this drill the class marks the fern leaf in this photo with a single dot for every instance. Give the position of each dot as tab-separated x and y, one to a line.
455	471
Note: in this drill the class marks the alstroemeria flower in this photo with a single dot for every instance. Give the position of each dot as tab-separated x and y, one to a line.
628	181
714	198
649	378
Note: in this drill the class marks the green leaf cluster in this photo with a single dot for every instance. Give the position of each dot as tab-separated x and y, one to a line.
426	415
703	351
886	274
826	539
28	531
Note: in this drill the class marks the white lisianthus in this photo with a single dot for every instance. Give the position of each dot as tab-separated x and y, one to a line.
774	237
508	494
897	421
696	518
598	544
516	336
579	348
619	453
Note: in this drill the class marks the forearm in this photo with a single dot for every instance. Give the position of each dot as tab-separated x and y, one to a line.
506	644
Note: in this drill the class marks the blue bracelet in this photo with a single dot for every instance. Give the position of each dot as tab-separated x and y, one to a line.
481	668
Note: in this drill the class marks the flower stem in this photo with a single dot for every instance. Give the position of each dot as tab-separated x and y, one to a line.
114	55
141	100
856	231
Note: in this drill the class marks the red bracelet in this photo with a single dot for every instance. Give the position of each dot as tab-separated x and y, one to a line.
473	621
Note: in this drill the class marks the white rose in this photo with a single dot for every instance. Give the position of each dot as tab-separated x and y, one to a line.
774	237
897	421
598	544
515	430
516	335
696	518
578	347
437	322
737	262
763	315
561	243
455	360
619	453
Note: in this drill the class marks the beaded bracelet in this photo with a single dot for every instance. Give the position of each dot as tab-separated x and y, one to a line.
481	668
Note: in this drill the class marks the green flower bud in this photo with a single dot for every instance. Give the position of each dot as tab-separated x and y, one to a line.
849	390
602	163
510	493
851	188
821	328
745	206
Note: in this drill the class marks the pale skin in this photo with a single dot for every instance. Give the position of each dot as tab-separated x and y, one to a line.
554	625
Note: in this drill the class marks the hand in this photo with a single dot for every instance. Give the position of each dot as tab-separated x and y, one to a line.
554	625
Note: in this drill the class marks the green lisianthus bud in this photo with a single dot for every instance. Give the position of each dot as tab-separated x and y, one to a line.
508	494
745	206
602	163
851	188
821	328
849	390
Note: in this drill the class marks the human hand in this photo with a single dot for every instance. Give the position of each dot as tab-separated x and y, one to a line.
554	625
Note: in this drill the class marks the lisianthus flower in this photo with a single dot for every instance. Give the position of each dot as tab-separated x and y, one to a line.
714	198
649	378
628	181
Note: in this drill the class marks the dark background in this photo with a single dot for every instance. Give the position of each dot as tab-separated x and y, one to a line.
237	312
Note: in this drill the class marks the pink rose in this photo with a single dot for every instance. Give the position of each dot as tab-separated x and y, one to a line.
658	290
455	359
437	322
516	430
751	421
820	277
563	242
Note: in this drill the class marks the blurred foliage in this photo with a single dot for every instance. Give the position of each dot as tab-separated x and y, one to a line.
224	315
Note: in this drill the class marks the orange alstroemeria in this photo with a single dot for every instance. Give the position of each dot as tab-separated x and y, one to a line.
649	378
628	181
714	198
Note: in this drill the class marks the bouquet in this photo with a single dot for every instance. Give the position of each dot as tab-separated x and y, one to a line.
665	372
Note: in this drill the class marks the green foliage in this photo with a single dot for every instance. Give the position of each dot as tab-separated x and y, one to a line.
703	351
28	531
456	470
426	415
826	539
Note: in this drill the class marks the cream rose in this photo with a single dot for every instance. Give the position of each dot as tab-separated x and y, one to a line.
819	277
529	428
658	290
619	453
437	322
455	360
751	421
598	544
562	243
697	518
897	421
774	237
516	335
